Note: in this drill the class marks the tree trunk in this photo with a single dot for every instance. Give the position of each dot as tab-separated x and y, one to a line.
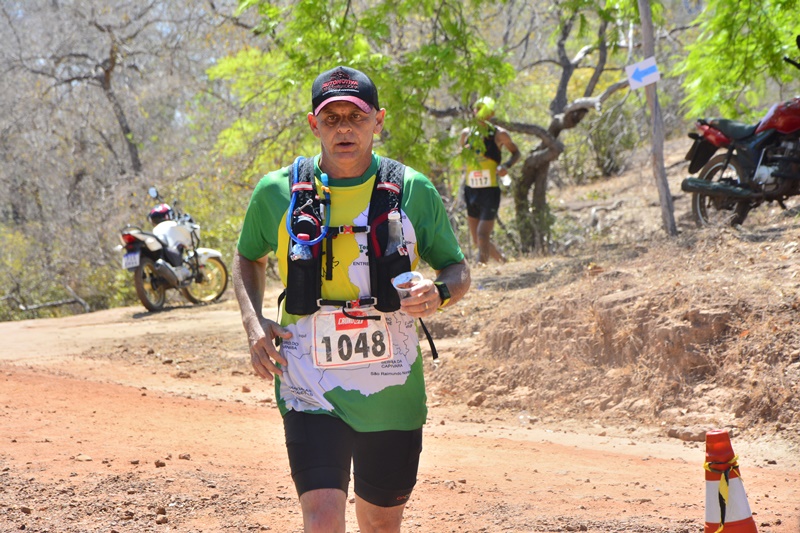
541	211
657	153
119	113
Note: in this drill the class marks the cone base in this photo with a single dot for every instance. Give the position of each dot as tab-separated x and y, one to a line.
747	525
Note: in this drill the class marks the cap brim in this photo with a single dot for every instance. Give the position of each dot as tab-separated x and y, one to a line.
361	104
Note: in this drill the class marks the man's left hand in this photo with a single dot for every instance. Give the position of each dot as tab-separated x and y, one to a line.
423	300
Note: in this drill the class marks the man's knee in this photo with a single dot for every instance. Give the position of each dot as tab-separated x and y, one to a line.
485	230
375	519
324	510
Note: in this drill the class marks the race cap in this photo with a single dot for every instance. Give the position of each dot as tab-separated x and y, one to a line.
484	107
344	84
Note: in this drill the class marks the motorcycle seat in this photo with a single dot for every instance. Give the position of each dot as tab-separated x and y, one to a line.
733	128
161	240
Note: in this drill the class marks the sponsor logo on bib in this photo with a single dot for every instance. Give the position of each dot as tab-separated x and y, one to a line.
344	322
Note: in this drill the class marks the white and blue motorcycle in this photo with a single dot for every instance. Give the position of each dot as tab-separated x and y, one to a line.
169	257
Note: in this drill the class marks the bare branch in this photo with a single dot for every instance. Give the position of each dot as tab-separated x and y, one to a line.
567	68
236	21
13	29
444	113
582	53
602	53
532	129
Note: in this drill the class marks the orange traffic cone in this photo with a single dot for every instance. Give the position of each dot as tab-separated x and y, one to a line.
726	503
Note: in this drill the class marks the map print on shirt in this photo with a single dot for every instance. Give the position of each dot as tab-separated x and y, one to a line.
304	386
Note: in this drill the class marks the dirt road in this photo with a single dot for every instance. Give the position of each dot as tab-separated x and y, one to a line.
127	421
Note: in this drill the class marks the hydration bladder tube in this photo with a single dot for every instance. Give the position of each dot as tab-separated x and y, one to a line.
292	203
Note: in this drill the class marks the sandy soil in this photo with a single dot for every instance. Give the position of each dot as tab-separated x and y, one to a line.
109	426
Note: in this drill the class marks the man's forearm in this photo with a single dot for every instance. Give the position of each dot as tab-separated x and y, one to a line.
457	278
249	281
513	159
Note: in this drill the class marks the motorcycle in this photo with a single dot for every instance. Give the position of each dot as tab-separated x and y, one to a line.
169	257
760	163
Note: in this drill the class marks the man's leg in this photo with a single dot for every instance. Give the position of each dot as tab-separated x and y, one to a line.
485	210
385	466
495	252
320	450
473	222
374	519
324	511
485	245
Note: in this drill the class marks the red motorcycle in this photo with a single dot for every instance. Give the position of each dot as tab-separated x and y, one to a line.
760	163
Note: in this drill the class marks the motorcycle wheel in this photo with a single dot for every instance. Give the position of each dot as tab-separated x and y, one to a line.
212	285
716	211
150	288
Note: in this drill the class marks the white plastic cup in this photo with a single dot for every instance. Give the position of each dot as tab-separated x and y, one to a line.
405	282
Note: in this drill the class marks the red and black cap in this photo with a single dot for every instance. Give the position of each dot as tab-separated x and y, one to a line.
344	84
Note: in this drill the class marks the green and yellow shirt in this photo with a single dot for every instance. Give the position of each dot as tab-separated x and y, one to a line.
387	393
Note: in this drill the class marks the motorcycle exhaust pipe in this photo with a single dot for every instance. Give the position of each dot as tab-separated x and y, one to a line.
165	271
720	190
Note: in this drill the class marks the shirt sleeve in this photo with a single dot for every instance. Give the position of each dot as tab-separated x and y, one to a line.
266	211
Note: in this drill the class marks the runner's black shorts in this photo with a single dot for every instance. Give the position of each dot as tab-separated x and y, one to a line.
385	463
483	203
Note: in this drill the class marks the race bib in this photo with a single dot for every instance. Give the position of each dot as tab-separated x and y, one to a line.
479	179
348	341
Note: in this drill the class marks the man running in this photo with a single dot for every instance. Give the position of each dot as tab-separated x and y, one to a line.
481	187
349	372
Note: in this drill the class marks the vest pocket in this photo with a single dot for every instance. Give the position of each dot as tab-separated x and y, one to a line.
302	286
387	268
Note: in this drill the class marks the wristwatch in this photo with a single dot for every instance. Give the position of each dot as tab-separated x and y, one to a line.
444	292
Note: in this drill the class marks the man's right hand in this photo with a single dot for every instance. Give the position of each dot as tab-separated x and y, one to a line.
263	353
248	283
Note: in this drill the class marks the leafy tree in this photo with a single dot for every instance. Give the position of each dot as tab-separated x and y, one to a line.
737	52
426	57
432	59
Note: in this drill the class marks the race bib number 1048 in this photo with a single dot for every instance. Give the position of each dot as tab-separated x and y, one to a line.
347	341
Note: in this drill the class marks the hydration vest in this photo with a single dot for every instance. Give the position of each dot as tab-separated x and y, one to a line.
309	214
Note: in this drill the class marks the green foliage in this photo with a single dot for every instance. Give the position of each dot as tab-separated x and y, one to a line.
600	145
123	292
612	137
33	275
740	46
594	196
442	60
91	282
274	123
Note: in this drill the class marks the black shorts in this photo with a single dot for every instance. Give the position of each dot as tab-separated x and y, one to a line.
320	447
482	203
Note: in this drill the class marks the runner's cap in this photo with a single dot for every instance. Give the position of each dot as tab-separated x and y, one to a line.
484	107
344	84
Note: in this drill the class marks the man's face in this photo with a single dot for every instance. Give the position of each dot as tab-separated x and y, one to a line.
345	132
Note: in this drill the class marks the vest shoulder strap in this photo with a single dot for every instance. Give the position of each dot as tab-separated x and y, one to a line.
389	179
387	195
306	171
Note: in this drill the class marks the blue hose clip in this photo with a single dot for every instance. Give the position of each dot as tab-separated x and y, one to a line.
292	203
